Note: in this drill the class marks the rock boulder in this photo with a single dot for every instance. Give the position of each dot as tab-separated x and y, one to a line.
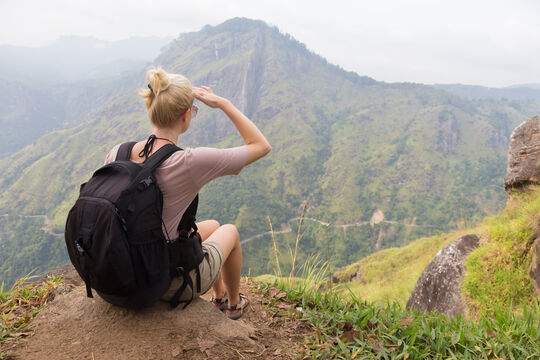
73	326
524	155
438	288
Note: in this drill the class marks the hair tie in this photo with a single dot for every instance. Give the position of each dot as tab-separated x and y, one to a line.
152	90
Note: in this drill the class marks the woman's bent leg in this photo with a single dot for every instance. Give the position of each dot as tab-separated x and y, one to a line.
228	239
206	228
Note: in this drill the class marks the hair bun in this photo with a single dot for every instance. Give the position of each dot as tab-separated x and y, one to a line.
165	107
158	80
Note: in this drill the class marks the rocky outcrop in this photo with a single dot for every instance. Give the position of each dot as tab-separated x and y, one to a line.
524	170
438	288
524	155
73	326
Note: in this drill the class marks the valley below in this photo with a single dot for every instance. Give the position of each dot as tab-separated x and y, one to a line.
426	158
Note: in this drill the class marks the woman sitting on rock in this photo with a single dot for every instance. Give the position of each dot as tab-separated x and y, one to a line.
169	103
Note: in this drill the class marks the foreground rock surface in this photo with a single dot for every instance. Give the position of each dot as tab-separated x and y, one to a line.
438	288
524	155
73	326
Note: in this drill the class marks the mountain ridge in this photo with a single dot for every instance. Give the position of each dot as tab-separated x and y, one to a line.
345	144
472	92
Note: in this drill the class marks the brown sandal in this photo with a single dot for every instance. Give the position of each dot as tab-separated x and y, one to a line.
235	311
220	303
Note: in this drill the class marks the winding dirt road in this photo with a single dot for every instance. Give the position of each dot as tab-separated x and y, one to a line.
343	226
45	218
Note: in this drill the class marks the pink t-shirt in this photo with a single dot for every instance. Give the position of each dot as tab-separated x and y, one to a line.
184	173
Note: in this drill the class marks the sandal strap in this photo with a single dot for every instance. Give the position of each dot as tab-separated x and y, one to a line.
243	300
220	300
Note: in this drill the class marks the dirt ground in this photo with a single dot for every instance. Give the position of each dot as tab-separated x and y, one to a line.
73	326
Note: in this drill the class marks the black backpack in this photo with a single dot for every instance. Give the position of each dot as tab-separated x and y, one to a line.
114	234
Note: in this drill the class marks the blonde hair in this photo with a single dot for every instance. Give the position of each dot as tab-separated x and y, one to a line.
168	96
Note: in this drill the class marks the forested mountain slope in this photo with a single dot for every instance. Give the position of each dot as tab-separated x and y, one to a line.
408	157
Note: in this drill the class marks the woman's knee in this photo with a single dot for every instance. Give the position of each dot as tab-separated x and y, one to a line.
214	224
207	228
233	230
232	235
227	237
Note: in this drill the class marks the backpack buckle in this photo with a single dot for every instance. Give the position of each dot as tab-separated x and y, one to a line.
145	183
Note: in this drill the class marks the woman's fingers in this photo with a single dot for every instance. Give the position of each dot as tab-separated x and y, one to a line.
202	91
206	95
199	94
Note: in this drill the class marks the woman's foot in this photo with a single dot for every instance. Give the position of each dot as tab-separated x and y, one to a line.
235	311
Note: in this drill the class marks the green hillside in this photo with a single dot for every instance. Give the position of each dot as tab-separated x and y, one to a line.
497	276
344	144
390	274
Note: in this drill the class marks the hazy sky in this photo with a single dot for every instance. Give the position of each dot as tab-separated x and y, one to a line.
491	43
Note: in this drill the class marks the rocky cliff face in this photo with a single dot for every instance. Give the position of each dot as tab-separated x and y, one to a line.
524	155
524	170
439	286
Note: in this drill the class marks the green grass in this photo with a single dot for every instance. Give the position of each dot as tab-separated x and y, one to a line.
21	303
497	276
497	271
346	326
390	275
354	329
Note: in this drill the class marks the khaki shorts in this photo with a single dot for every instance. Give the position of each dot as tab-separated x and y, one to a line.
209	269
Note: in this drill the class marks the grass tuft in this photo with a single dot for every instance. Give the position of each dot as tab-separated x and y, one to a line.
21	303
348	327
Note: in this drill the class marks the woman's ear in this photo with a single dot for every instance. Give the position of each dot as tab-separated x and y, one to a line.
185	121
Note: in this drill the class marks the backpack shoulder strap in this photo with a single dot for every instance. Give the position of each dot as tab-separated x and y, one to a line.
124	152
149	165
188	219
160	156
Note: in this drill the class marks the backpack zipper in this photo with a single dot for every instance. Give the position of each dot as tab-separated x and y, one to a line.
109	204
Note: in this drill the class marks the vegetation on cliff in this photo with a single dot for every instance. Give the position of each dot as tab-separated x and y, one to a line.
497	278
497	275
354	329
20	303
347	145
346	326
